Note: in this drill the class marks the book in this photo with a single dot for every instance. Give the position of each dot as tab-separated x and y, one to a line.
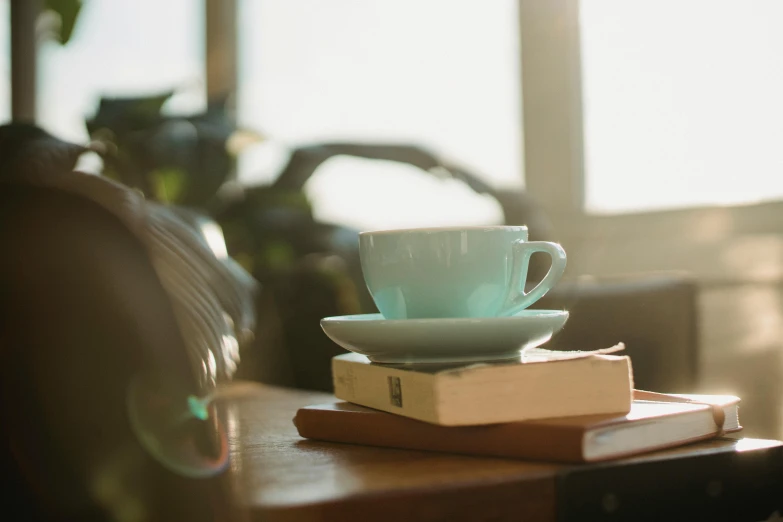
542	384
664	421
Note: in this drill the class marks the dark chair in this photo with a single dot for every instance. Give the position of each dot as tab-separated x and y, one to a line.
655	316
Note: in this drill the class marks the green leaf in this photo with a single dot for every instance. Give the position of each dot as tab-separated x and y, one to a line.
69	12
168	184
277	256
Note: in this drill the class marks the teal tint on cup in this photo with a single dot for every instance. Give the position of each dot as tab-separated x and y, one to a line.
454	272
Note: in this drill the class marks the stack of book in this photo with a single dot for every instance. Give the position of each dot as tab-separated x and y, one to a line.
554	406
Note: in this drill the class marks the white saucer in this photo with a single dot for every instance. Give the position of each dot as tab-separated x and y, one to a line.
443	341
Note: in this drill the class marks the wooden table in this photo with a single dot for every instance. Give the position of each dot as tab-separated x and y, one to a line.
278	476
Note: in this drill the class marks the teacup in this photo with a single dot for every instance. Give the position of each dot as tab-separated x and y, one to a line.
454	272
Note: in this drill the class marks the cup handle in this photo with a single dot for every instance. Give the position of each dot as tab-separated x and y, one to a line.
521	251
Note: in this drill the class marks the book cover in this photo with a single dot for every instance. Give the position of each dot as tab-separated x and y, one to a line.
648	426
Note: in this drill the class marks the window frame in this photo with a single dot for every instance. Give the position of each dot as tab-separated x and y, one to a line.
694	239
221	58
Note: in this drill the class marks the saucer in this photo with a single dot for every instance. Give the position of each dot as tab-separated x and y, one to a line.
443	341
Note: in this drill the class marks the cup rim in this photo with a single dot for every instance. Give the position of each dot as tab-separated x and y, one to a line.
488	228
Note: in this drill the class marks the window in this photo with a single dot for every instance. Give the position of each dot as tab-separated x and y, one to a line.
441	74
122	49
5	62
683	103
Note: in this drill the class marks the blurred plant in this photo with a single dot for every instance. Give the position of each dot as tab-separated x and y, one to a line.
59	19
185	160
308	269
256	219
175	159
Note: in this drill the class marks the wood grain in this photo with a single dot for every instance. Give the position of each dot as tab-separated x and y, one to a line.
277	476
280	476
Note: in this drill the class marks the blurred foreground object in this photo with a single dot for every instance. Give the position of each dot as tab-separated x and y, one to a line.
101	290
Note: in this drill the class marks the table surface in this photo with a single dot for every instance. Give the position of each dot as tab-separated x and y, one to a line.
278	475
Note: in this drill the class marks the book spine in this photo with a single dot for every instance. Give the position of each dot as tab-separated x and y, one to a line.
411	394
